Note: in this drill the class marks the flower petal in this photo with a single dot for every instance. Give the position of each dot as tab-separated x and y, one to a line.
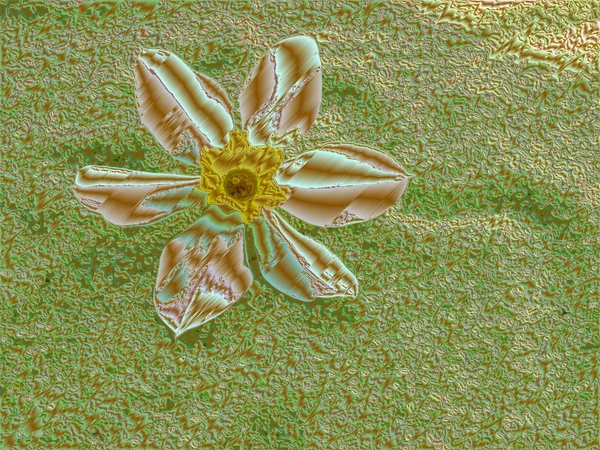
284	92
202	272
341	184
184	111
297	265
128	197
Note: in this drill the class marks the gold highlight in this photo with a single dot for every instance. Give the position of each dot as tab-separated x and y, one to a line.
242	176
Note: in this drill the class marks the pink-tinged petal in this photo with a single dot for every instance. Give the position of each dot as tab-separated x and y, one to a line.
298	265
128	197
284	92
202	272
341	184
184	111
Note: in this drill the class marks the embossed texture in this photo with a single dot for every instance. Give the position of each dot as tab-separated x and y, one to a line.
476	323
199	279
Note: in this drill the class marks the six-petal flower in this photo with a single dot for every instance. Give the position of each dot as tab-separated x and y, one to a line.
243	179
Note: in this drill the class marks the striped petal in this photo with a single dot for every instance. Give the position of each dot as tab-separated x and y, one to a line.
340	184
297	265
202	272
128	197
184	111
284	92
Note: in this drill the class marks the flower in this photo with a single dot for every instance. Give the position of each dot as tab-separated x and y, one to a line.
243	179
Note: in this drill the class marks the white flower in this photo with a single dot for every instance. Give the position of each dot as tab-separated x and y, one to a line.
243	179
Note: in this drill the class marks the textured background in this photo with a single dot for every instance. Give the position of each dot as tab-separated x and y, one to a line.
477	322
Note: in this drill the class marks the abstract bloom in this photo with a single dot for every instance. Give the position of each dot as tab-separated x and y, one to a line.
243	178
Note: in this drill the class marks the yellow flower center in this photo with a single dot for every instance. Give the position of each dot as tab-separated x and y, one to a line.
242	176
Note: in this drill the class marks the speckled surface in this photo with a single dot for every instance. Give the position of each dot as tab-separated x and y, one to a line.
476	325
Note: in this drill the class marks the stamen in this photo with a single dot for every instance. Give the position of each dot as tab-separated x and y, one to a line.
240	184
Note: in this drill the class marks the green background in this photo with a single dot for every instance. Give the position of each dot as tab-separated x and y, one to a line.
477	321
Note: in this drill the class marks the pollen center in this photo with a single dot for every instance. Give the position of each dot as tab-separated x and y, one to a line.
240	184
242	176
